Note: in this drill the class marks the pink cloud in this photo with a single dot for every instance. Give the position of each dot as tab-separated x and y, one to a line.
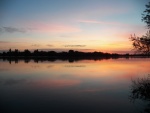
53	28
100	22
126	25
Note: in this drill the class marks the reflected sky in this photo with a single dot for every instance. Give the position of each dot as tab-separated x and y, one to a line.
80	87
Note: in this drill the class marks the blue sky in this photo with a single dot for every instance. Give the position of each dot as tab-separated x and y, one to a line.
99	25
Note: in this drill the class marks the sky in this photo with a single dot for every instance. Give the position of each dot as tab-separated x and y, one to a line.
61	25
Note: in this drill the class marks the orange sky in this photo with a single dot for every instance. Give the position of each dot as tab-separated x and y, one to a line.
97	25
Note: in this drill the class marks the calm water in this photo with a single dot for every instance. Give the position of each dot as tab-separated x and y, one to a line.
86	86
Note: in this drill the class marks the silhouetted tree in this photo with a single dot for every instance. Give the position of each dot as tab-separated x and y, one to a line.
36	52
52	53
27	52
146	15
16	52
9	52
141	44
71	53
4	53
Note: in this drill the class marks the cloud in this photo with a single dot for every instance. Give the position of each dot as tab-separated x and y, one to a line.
41	27
35	45
49	45
53	27
66	49
74	45
13	29
99	22
2	42
90	21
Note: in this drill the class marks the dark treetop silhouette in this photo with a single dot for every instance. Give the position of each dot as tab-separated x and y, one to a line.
146	15
142	44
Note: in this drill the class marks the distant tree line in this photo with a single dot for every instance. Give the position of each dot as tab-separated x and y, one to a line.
70	56
70	53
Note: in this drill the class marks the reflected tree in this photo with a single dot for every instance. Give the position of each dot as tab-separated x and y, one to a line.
140	89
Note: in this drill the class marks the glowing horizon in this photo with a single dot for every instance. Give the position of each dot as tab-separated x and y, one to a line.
97	25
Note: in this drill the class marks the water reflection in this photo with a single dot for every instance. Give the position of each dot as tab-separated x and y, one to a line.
42	59
86	86
75	66
141	90
13	81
